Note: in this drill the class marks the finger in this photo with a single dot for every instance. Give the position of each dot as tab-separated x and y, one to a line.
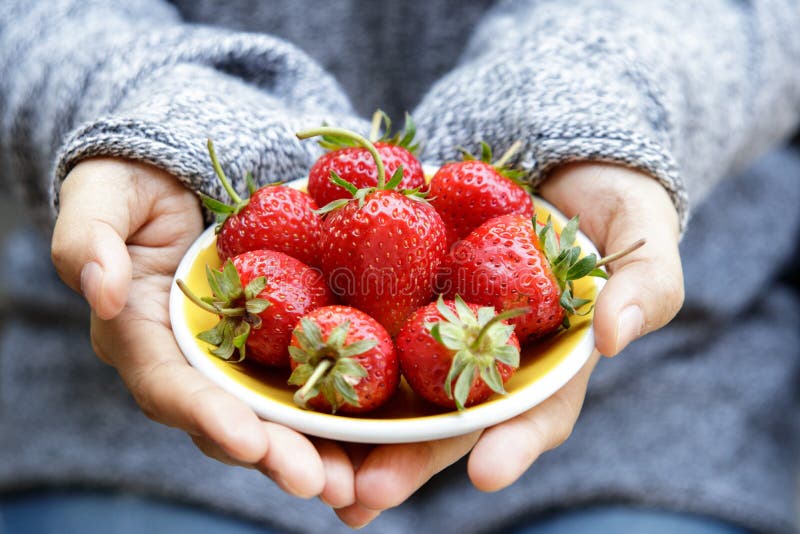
88	245
294	480
645	289
292	462
643	293
95	219
173	393
339	488
504	452
392	473
357	452
618	207
356	516
214	451
103	202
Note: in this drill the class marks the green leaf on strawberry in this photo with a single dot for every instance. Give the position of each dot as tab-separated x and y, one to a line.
478	341
567	264
327	366
343	360
380	123
405	139
501	165
230	334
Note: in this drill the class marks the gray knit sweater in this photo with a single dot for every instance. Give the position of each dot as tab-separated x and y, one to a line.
700	417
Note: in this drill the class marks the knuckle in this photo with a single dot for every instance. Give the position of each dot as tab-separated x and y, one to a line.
677	296
143	391
97	346
198	402
562	434
428	457
563	422
670	295
60	254
212	450
537	435
146	405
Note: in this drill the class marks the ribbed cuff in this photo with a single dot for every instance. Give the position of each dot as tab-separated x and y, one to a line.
169	119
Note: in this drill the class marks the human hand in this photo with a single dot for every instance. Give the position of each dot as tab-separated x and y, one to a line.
121	231
617	206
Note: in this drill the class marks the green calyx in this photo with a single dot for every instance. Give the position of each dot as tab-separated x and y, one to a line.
327	366
237	307
567	264
404	138
380	123
221	210
359	195
478	342
501	165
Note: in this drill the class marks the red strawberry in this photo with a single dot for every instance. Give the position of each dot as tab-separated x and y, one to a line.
505	264
259	296
275	217
468	193
381	249
344	360
354	163
456	354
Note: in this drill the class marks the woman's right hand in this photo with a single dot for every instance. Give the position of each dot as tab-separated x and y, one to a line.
120	234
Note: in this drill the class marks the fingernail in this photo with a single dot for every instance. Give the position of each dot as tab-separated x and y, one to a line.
91	278
629	326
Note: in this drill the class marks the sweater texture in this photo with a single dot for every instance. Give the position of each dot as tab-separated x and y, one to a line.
700	417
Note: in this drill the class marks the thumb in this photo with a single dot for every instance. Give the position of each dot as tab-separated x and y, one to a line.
97	214
645	288
619	206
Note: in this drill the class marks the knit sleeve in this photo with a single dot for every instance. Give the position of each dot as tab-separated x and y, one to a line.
685	91
82	78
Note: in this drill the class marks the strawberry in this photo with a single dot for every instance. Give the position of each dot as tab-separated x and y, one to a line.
504	263
355	164
456	354
275	217
380	249
344	360
259	296
468	193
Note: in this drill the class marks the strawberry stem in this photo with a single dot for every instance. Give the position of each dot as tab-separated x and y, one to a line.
617	255
321	368
375	127
340	132
237	200
230	312
508	154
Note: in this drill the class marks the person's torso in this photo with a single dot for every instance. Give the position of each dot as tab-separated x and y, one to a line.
384	54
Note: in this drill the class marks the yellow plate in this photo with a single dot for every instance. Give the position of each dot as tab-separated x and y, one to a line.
545	367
